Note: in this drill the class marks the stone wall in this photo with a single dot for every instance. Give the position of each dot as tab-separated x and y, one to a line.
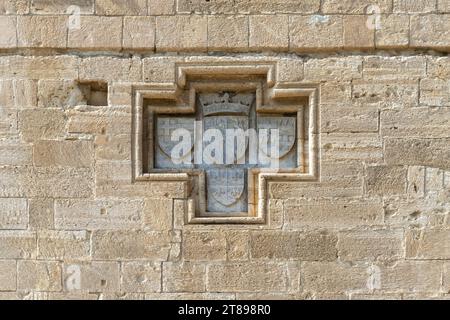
74	224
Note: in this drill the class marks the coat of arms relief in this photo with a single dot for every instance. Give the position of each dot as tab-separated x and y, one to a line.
229	137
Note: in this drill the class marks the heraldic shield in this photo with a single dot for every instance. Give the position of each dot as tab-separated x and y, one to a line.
226	190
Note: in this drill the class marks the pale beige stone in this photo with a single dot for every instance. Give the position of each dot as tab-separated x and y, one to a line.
269	32
15	154
327	277
50	153
18	244
238	243
381	180
117	7
370	245
204	245
228	33
39	124
416	6
290	70
95	276
430	31
158	214
416	181
435	92
444	6
41	213
55	245
159	69
181	33
8	37
363	146
428	244
113	147
96	33
161	7
357	34
394	68
349	119
139	33
61	94
438	67
8	275
317	32
42	31
141	277
394	31
247	277
13	214
14	7
294	245
39	275
184	277
18	93
62	6
330	69
98	214
355	6
110	69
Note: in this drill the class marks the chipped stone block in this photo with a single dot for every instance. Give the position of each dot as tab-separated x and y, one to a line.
42	31
204	246
416	6
14	7
18	93
95	276
430	31
39	275
96	32
110	69
141	277
13	214
269	32
428	244
394	31
357	34
126	8
227	33
61	6
330	69
184	277
139	33
394	68
8	38
385	180
41	214
18	244
161	7
41	124
55	245
435	92
76	154
61	94
238	244
158	214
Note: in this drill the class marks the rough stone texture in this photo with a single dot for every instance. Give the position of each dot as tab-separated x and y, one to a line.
373	225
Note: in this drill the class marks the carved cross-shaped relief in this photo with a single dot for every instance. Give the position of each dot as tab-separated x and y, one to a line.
228	130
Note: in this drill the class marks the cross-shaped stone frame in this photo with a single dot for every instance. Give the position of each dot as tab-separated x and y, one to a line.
180	99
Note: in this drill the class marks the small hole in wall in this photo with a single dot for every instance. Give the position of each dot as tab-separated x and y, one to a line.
103	211
103	283
96	93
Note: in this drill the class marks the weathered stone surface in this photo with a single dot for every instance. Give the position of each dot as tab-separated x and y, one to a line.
110	69
294	245
370	245
435	92
42	31
77	154
13	214
430	30
355	6
316	32
14	7
55	245
357	34
438	67
228	33
181	33
18	93
96	33
61	6
269	32
141	277
428	244
18	244
326	277
184	277
418	6
8	38
418	151
39	275
443	6
114	7
61	94
41	213
204	246
331	214
355	146
139	32
41	124
158	214
330	69
138	245
349	119
246	277
8	275
386	180
98	214
159	68
161	7
394	68
238	244
394	31
91	277
408	276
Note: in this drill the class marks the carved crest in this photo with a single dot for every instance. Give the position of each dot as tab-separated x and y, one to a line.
286	127
214	103
165	129
226	186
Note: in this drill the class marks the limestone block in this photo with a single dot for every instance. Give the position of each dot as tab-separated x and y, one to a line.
417	6
190	296
228	33
181	33
328	277
435	92
385	180
394	31
61	94
238	244
41	214
444	6
8	38
247	277
336	93
370	245
13	214
141	277
36	67
394	68
110	69
139	33
269	32
161	7
137	245
98	214
332	213
14	7
446	277
18	244
290	70
416	181
42	31
39	275
434	180
61	6
8	275
204	246
159	69
184	277
438	67
417	151
90	277
357	34
349	119
332	69
293	245
56	245
41	124
366	147
411	276
113	147
417	122
316	32
76	154
158	215
430	31
120	94
428	244
15	154
380	296
18	93
96	33
354	6
8	123
126	8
